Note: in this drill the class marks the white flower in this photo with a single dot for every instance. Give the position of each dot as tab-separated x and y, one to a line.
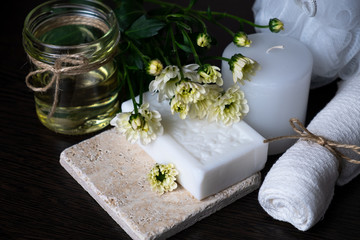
145	125
179	106
210	74
190	72
201	107
229	108
189	91
165	82
242	68
162	178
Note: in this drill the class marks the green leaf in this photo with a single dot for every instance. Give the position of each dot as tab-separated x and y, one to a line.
134	61
186	38
138	62
183	47
144	28
127	12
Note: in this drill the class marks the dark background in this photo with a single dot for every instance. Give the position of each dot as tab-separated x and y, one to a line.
40	200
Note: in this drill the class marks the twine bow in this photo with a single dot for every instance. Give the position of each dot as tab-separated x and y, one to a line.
68	64
79	64
332	146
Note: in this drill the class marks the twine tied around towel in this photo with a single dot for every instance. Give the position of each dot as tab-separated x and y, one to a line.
332	146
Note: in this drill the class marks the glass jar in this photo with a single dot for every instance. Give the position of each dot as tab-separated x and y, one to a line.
71	47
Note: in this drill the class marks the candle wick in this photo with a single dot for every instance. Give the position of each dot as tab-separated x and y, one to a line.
274	47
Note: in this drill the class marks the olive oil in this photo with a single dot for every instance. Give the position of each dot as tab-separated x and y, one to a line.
88	104
85	100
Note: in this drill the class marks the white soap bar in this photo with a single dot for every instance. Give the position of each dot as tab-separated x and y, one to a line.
209	157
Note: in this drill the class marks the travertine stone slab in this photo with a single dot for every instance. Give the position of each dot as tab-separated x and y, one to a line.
114	172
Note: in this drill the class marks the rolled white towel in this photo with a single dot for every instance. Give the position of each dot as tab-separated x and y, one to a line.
300	185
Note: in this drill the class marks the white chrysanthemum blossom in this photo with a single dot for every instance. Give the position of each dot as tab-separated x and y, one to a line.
144	126
165	82
153	120
162	178
210	74
189	92
179	106
190	72
200	109
243	68
229	108
122	123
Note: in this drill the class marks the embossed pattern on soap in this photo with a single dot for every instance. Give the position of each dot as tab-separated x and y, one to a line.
212	139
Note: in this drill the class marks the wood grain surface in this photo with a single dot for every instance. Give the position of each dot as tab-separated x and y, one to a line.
40	200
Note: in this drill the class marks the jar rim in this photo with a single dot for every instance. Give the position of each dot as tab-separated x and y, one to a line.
106	12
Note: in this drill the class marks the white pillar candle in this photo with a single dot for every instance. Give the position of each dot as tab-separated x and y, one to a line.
280	88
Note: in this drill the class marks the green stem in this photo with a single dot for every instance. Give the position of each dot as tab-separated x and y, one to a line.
158	48
132	95
225	28
141	90
144	58
222	58
196	56
166	60
178	62
200	21
241	20
204	13
217	58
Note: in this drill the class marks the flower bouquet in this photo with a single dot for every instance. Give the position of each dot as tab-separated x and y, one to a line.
165	50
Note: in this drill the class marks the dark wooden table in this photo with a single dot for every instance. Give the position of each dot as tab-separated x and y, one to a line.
40	200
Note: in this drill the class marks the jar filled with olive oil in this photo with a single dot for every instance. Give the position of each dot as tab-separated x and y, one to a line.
71	46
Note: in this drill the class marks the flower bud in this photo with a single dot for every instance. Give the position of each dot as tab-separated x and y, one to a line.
203	40
275	25
154	67
241	40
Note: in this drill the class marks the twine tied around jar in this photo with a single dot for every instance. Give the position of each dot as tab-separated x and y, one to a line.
67	64
332	146
78	65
